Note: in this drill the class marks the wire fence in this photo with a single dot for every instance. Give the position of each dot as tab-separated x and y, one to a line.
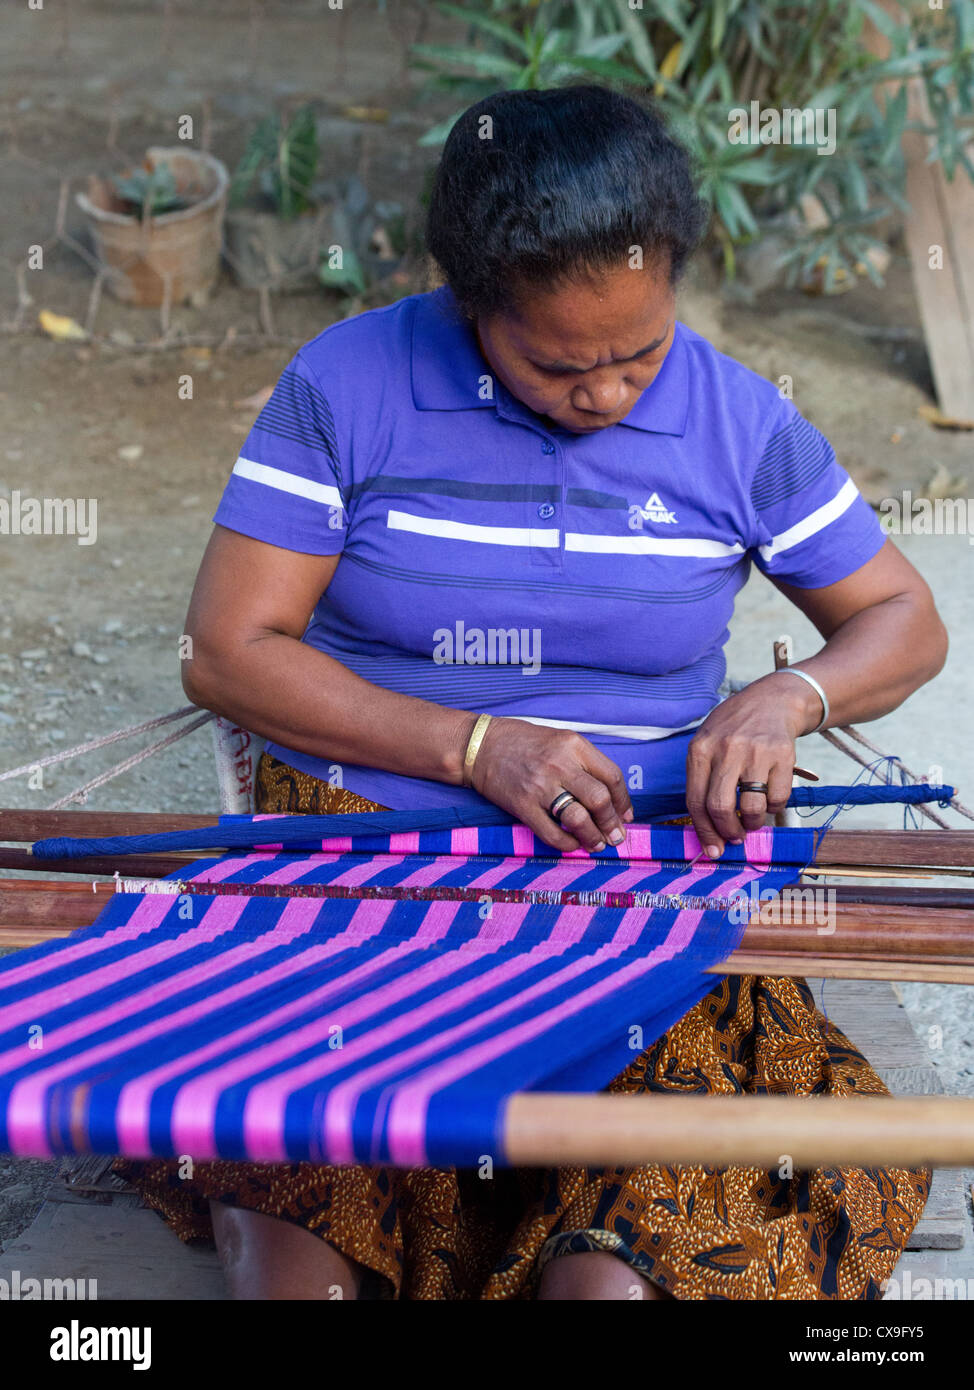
145	260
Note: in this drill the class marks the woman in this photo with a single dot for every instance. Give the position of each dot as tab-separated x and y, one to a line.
534	494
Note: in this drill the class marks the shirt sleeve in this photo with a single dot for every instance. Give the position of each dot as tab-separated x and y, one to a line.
813	527
286	487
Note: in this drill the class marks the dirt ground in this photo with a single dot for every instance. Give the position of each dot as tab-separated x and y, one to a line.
88	634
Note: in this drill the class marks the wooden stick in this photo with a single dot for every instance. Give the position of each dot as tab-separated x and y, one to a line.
132	865
861	928
721	1131
920	849
937	972
869	941
27	826
784	925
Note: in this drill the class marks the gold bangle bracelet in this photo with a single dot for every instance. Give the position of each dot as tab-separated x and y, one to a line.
473	747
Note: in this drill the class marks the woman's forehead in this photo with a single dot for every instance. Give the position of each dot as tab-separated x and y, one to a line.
621	314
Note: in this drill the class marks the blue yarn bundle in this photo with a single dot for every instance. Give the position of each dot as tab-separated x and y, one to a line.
245	833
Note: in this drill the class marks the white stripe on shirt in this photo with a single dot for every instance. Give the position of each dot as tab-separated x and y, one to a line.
682	546
643	733
466	531
324	493
812	524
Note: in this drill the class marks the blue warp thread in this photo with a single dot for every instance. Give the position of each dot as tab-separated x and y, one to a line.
245	833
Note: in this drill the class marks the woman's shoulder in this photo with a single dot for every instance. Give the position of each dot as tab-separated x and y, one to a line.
746	416
735	384
374	339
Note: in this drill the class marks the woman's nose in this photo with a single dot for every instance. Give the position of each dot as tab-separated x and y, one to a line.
600	396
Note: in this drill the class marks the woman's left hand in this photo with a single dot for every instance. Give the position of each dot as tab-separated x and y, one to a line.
750	737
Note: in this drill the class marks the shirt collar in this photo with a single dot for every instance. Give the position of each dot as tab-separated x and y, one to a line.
448	370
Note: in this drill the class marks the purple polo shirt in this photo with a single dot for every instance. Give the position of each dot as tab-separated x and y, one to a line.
491	561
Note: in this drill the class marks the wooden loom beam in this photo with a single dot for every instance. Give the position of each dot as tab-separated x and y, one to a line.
868	939
142	865
28	826
875	933
721	1131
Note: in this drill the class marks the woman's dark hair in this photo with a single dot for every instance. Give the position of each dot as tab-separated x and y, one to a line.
535	188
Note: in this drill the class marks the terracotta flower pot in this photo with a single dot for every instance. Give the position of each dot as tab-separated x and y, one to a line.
179	248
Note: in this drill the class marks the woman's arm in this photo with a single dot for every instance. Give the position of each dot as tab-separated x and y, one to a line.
249	610
883	640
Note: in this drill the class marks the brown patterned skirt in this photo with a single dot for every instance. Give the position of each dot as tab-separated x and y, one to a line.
699	1233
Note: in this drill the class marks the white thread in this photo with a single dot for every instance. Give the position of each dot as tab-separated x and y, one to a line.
101	742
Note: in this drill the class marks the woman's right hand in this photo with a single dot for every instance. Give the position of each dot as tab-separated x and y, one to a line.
522	767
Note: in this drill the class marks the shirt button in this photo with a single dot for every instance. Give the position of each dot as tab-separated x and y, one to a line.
546	511
547	447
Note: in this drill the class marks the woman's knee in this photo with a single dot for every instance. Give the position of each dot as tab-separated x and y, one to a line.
264	1257
592	1275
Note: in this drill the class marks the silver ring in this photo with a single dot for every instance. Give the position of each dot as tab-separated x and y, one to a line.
761	787
561	803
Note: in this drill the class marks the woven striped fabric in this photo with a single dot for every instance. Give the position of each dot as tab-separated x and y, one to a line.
374	1001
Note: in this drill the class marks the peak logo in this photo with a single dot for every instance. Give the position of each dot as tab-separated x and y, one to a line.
654	510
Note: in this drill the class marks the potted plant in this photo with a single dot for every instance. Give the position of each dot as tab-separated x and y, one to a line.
158	229
274	224
283	223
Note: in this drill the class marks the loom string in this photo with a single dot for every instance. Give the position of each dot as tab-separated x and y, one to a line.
867	772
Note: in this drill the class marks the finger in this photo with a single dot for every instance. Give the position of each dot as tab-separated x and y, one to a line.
722	802
576	820
607	772
779	785
597	800
698	781
753	809
547	829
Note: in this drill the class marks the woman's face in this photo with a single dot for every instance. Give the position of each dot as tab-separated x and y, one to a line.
583	353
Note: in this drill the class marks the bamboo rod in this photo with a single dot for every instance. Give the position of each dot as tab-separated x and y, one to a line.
721	1131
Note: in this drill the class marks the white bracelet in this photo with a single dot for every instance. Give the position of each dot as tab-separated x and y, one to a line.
794	671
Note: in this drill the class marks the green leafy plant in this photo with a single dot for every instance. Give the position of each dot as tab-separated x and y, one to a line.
701	59
348	278
529	54
281	158
150	192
